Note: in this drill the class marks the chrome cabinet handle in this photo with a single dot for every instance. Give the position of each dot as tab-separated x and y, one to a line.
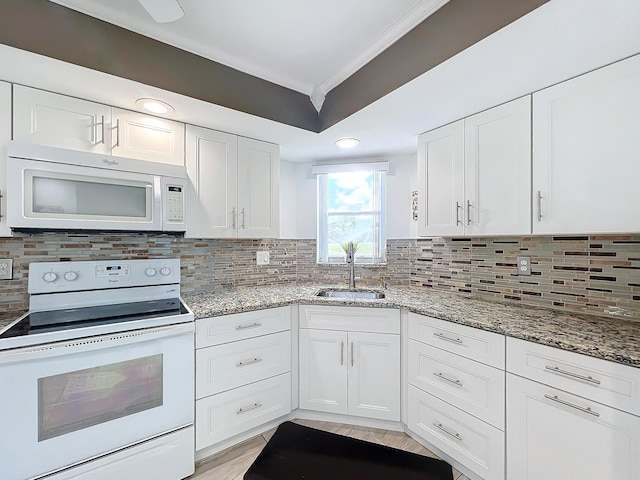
352	354
455	435
248	408
248	325
1	197
244	363
118	132
539	206
457	213
341	353
233	218
442	336
468	212
569	404
444	377
573	375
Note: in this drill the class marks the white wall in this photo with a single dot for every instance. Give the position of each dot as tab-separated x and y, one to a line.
401	181
288	201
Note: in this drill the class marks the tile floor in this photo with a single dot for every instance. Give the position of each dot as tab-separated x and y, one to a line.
231	464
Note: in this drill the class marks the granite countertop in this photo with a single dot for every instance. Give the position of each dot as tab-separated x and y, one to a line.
614	339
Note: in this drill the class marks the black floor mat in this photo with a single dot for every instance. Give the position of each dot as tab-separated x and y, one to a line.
296	452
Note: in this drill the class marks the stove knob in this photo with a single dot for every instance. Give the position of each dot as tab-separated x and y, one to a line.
50	277
70	276
150	272
165	271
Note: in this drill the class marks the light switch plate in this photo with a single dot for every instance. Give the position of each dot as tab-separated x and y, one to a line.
262	258
6	269
524	265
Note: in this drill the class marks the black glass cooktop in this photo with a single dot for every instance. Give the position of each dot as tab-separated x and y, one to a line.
43	322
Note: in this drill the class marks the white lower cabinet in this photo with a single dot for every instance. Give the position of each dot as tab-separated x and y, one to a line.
243	373
456	393
570	416
346	370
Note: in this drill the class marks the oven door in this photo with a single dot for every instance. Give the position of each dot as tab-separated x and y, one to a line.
70	402
59	196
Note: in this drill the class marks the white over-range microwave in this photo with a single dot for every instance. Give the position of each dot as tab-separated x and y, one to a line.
57	189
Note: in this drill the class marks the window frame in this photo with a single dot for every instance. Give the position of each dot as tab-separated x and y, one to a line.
378	213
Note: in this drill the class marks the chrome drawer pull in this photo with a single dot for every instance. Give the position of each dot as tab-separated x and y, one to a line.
341	353
568	404
352	354
444	377
244	363
574	375
249	408
448	432
248	325
442	336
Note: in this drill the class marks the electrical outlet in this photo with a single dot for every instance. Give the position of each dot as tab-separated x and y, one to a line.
6	269
262	258
524	265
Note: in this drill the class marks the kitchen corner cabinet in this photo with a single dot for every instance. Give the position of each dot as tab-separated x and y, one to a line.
5	136
474	175
350	361
570	416
586	164
234	186
47	118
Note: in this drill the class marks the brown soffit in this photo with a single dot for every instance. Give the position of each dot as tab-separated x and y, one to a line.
54	31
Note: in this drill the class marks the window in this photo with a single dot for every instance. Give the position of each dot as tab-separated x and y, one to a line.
351	207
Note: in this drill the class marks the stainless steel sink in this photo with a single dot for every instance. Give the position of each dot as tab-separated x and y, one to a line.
351	294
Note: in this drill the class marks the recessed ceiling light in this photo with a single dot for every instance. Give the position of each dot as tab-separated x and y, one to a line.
348	142
155	106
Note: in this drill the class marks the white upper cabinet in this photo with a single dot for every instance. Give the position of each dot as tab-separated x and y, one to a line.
233	185
497	170
258	189
46	118
212	167
5	136
475	174
441	180
136	135
587	153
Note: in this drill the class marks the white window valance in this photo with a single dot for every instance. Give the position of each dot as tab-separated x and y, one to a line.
350	167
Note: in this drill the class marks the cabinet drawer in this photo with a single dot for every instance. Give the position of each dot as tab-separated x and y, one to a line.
229	328
223	367
473	343
353	319
606	382
476	388
473	443
226	414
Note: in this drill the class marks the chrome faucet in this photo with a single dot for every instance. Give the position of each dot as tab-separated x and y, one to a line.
351	260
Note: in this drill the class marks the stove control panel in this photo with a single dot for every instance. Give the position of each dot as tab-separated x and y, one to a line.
51	277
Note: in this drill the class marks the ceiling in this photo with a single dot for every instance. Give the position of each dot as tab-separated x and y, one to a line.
293	43
558	40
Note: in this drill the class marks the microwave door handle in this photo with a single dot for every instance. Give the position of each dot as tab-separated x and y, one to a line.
158	214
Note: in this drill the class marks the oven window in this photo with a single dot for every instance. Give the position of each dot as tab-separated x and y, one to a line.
75	400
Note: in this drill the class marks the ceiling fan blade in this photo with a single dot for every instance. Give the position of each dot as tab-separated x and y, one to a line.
163	11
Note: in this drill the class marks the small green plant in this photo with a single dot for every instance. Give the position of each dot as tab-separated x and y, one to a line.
345	247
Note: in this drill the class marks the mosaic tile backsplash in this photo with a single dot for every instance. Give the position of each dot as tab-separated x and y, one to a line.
590	274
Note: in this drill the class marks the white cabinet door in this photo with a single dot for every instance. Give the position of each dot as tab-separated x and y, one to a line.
144	137
497	170
258	189
5	136
374	375
586	167
553	434
441	181
323	370
212	167
47	118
